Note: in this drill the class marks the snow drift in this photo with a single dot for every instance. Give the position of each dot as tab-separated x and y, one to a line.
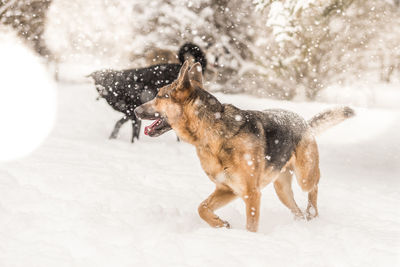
83	200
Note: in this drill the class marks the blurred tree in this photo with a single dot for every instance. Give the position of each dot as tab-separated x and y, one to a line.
282	48
318	42
28	18
120	31
226	29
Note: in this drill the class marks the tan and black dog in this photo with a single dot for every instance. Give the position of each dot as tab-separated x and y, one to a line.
241	151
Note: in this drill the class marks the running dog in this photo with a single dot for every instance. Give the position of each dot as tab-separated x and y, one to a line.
242	151
124	90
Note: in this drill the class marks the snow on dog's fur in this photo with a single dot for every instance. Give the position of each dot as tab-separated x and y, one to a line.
241	151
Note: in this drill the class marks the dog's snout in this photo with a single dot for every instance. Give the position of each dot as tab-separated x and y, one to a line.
138	111
145	111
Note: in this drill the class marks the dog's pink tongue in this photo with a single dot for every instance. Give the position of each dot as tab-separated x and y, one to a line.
150	128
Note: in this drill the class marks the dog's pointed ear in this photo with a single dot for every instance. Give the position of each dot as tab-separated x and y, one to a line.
195	73
183	77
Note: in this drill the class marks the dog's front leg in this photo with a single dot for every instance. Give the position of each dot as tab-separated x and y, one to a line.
252	200
219	198
136	123
117	126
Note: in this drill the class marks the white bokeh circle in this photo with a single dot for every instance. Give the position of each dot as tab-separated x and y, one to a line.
27	99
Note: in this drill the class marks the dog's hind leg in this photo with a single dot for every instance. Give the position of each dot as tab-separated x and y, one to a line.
136	123
219	198
312	210
283	188
114	133
307	172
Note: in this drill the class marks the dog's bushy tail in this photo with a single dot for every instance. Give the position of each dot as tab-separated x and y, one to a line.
195	51
329	118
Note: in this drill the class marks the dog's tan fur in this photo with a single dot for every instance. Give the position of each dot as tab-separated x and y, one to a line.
234	159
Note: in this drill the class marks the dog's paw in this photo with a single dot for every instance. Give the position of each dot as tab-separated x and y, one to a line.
224	224
311	213
299	216
309	217
113	136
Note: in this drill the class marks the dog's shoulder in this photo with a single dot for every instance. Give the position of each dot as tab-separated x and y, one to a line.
238	121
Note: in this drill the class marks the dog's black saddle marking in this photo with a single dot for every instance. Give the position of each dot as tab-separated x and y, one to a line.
283	131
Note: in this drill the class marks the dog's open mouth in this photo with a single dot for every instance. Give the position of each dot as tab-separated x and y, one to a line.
157	128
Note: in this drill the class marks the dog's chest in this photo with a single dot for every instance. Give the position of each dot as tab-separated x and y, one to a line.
215	169
210	162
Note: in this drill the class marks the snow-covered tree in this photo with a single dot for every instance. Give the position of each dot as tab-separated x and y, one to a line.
119	32
279	48
319	42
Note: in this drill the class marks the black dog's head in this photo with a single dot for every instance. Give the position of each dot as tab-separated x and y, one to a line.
99	81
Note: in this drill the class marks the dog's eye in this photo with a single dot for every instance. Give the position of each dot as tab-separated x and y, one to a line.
163	96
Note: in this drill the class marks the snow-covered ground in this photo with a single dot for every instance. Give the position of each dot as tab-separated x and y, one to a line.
83	200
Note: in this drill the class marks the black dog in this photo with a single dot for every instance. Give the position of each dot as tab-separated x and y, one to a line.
124	90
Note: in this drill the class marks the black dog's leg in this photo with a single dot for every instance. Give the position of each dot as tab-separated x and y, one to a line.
136	123
177	139
117	126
